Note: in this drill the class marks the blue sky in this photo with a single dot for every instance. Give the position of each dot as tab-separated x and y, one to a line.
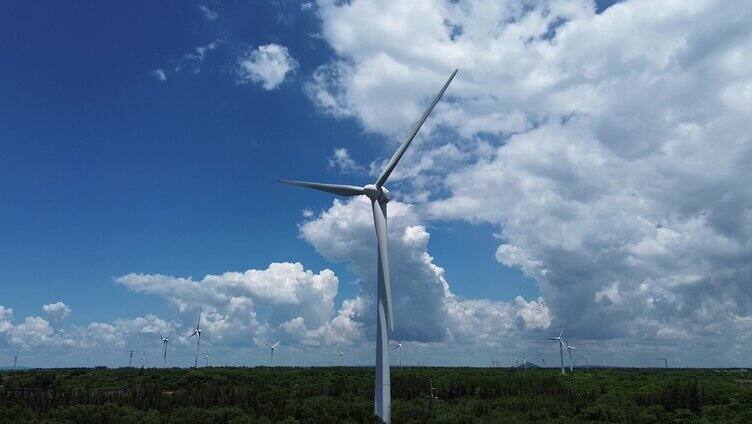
109	169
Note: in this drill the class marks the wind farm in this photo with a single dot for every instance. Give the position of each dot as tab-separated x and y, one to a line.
374	211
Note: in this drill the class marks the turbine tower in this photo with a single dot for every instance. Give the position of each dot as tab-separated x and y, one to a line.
197	332
130	359
206	357
560	340
379	196
341	357
401	347
165	340
15	360
271	348
665	361
543	359
587	363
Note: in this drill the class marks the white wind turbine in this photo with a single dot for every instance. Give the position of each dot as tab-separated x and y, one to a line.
401	347
15	360
569	351
543	359
271	348
379	196
587	363
197	332
165	340
524	361
341	357
560	340
130	359
665	360
206	357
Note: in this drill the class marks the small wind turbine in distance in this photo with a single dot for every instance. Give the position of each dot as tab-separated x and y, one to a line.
524	361
165	340
402	349
587	363
130	359
569	351
380	196
197	332
271	353
665	361
543	359
341	357
560	340
15	360
143	360
206	357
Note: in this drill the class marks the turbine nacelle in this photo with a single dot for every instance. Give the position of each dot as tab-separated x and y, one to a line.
375	193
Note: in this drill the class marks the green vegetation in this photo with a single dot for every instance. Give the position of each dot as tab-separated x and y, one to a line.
344	395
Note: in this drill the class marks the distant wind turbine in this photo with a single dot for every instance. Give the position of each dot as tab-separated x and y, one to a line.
15	360
560	340
341	357
165	340
665	361
197	332
524	361
130	359
402	349
206	357
587	363
271	348
380	196
569	351
543	359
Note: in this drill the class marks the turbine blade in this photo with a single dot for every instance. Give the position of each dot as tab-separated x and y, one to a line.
270	346
338	189
565	328
385	289
276	344
171	331
160	335
192	334
401	150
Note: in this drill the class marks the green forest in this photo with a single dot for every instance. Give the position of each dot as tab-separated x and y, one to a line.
345	395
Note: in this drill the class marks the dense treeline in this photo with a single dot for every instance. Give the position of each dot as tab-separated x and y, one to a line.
344	395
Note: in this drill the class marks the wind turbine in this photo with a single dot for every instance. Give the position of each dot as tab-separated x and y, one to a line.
587	363
15	360
130	359
665	361
543	359
402	349
206	357
569	351
197	332
143	360
379	196
341	357
165	340
272	347
561	346
524	361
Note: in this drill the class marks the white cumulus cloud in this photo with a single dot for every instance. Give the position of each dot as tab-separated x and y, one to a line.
267	65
